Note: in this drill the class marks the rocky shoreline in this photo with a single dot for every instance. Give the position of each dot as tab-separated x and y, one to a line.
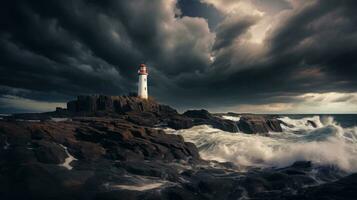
150	113
115	148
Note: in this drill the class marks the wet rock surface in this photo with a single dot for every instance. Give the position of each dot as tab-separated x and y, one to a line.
114	158
103	153
105	150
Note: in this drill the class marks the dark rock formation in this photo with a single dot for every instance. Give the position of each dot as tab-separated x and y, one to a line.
259	124
180	122
198	114
311	123
201	117
117	104
150	113
91	138
32	155
115	158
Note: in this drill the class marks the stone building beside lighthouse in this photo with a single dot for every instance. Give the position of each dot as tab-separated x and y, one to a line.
143	83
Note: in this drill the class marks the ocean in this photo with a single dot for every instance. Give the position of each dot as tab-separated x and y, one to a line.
332	143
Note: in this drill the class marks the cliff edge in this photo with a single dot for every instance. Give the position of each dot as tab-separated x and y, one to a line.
148	112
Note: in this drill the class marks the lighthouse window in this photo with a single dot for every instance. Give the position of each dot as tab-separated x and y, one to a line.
144	88
144	79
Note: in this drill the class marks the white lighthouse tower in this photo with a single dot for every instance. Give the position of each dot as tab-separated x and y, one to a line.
143	82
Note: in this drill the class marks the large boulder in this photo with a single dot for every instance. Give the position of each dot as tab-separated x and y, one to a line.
198	114
201	117
252	124
180	122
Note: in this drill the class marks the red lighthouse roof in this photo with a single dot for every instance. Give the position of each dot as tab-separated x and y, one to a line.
143	70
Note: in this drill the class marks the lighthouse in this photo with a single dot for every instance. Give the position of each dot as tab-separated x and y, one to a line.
143	82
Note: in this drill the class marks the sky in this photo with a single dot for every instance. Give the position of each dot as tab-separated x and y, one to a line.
261	56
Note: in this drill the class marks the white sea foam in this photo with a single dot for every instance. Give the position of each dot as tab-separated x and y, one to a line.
68	160
328	144
301	124
233	118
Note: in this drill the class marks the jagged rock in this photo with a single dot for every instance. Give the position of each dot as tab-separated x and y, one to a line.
117	104
198	114
118	159
201	117
252	124
91	139
180	122
150	113
285	124
98	144
311	123
119	154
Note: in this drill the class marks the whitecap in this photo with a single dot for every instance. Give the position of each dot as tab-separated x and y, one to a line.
327	144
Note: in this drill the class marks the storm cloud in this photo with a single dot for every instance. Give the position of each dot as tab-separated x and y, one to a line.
215	54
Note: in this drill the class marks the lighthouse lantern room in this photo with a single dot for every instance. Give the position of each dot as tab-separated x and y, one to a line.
143	86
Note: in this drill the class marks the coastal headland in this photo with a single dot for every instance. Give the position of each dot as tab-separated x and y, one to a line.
106	147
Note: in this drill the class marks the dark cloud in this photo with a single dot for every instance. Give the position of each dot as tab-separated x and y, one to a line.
322	35
195	8
91	47
230	29
310	51
52	50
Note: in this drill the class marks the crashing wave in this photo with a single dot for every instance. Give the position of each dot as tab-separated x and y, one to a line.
326	144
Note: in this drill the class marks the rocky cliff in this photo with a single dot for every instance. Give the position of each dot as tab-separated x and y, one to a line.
117	104
150	113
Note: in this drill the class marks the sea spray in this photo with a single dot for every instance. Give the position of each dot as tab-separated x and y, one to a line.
326	144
